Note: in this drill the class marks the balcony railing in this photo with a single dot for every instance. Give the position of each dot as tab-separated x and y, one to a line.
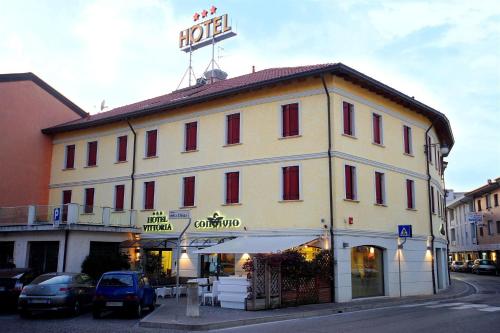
68	214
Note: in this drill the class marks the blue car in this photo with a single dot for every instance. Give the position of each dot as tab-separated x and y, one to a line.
123	291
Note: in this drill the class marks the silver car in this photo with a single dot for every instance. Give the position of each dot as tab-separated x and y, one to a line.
484	266
57	292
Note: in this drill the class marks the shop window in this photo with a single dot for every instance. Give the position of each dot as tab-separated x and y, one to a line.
232	187
149	195
367	273
188	191
290	119
70	157
377	128
350	182
407	140
233	129
410	194
89	201
119	197
92	153
291	186
151	142
222	264
348	117
122	148
191	136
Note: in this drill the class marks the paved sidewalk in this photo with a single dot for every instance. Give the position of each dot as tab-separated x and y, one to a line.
172	315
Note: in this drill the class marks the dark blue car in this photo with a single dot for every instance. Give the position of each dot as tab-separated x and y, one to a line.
123	291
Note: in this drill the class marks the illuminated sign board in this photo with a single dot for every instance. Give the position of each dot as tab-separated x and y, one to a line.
205	33
217	221
157	223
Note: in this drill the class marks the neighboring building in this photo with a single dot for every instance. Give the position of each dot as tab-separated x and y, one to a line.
27	105
476	239
279	158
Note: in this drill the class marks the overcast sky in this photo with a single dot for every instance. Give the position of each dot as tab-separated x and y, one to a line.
445	53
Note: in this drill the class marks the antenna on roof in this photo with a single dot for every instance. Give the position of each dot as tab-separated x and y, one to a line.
103	105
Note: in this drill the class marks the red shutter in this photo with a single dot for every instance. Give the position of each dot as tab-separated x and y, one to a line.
433	209
348	111
70	157
66	200
409	193
92	153
119	197
151	146
285	120
291	189
150	195
191	136
233	128
293	114
349	193
122	148
407	137
188	192
376	129
232	187
89	200
378	188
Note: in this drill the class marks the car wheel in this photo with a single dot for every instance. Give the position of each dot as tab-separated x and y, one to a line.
138	311
24	313
75	311
96	313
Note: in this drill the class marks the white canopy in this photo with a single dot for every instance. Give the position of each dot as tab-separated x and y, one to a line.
262	244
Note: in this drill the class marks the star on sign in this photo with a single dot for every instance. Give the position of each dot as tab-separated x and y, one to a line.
196	16
213	9
204	13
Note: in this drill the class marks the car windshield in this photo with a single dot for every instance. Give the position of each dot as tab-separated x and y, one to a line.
117	280
52	279
486	262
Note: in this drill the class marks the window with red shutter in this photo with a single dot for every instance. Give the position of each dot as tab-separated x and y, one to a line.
232	187
377	129
290	119
409	194
70	157
291	185
188	191
407	139
92	153
122	148
479	205
350	182
66	199
233	129
151	139
149	195
119	197
89	201
191	129
379	188
348	115
433	208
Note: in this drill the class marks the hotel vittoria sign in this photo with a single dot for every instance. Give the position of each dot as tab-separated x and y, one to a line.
217	222
157	222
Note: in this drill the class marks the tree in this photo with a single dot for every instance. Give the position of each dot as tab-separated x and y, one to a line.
97	264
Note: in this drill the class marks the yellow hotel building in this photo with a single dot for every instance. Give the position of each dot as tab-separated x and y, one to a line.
314	156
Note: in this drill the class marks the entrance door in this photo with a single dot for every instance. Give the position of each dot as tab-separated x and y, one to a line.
158	265
6	254
367	271
43	256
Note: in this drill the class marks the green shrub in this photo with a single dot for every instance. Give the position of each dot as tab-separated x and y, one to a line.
97	264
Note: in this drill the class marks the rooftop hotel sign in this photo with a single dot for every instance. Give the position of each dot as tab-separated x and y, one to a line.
206	32
157	223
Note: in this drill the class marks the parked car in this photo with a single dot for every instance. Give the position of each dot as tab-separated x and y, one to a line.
468	266
484	266
123	291
57	292
12	281
457	266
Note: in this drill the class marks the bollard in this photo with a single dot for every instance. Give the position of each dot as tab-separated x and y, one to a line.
193	305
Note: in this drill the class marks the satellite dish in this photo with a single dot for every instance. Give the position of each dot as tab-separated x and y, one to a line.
103	105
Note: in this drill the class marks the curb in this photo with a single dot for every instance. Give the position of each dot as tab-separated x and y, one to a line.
299	315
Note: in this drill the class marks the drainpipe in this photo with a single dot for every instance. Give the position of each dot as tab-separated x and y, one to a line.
132	175
427	152
330	185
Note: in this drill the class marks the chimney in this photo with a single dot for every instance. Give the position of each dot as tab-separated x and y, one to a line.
253	69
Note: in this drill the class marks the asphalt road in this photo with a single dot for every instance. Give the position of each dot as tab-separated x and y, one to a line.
479	312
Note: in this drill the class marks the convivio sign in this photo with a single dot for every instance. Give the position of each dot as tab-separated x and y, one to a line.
157	222
217	221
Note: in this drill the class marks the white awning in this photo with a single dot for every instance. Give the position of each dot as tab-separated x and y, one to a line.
254	244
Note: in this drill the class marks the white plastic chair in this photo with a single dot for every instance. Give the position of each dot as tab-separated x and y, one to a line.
212	295
163	292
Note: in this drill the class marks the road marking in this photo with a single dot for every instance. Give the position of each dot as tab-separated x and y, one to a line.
490	309
444	305
470	306
419	304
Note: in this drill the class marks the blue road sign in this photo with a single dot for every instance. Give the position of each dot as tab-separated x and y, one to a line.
404	231
57	214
